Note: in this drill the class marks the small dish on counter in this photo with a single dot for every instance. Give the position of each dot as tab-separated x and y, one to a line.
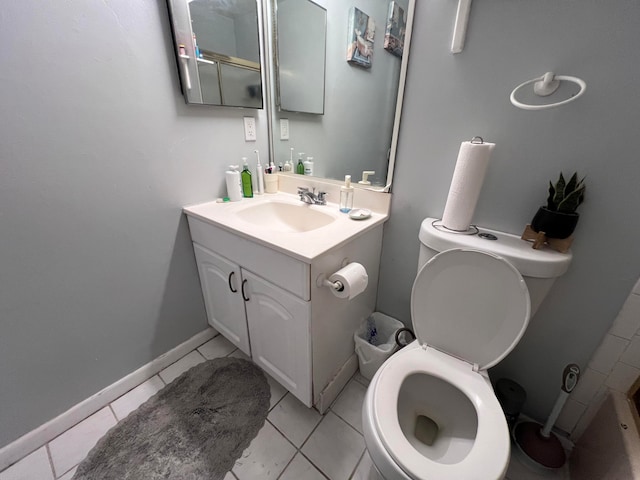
359	214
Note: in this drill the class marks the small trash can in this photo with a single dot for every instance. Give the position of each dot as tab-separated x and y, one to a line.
375	342
511	397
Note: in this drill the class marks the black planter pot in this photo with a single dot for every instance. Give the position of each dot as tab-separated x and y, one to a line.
554	224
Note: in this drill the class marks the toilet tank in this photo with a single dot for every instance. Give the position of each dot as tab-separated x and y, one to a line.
539	268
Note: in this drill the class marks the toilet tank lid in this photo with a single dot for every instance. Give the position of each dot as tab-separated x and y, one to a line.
543	263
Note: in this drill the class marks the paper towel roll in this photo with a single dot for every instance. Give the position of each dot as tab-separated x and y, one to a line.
354	280
471	166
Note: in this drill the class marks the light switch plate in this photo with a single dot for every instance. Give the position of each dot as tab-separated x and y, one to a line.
284	129
249	129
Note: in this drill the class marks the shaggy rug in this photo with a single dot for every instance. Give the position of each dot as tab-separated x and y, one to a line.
194	428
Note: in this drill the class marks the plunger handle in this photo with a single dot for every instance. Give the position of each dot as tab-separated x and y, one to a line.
570	377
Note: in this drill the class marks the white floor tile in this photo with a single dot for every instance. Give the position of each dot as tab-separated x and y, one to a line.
240	354
266	457
216	347
131	400
294	419
301	469
334	447
366	470
174	370
348	405
358	377
69	474
229	476
277	391
34	466
68	449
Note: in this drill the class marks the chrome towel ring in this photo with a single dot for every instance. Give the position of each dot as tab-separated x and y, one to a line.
545	86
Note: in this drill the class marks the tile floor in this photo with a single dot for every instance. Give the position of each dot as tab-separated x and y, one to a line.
296	443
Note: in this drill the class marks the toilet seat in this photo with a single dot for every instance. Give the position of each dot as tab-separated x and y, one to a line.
489	454
469	309
473	305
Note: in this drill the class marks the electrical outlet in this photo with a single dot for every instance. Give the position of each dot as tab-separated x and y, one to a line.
284	129
249	129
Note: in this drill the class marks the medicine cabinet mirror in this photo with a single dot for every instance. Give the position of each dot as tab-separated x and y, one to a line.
218	51
354	128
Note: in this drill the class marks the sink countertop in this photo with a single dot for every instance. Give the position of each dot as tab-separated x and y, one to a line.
304	246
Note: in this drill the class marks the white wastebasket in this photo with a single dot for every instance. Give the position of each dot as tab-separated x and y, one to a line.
372	355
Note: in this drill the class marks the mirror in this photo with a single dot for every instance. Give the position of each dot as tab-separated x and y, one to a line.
218	51
364	81
300	36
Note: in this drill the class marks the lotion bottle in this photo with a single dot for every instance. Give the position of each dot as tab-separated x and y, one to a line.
308	166
234	184
346	195
300	165
247	187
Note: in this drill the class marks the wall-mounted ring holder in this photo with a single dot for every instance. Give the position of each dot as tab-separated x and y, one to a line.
545	86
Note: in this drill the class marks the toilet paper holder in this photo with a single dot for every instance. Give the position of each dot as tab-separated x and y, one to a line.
323	281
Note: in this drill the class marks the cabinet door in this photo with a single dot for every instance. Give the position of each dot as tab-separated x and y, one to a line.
221	287
279	326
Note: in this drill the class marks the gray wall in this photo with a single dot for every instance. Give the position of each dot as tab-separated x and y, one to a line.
451	98
98	153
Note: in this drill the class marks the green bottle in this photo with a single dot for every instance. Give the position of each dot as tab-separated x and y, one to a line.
247	187
300	165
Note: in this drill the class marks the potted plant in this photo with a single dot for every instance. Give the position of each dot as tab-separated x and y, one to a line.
559	218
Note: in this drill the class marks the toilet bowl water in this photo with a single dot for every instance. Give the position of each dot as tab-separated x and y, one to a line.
430	411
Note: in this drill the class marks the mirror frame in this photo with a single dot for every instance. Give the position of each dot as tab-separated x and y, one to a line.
268	64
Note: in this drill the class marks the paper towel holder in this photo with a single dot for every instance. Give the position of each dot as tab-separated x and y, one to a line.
545	86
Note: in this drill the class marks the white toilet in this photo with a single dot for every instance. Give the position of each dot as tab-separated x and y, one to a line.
430	411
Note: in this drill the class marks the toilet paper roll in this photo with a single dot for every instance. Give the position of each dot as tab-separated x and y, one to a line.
354	280
471	167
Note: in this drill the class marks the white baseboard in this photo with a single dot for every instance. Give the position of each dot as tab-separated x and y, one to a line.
40	436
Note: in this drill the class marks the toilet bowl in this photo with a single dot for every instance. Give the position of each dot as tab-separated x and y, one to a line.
430	411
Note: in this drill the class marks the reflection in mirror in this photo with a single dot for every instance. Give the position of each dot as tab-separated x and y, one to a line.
217	44
357	131
300	31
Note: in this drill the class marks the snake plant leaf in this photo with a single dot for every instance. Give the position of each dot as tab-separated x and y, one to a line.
572	184
552	192
572	201
560	185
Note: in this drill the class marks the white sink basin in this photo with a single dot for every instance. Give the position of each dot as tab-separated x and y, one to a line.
285	217
282	222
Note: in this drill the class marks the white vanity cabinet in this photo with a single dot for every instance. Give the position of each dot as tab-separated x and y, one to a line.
244	286
280	331
221	282
271	303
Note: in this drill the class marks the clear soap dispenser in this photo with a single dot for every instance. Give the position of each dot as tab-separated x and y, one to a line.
346	195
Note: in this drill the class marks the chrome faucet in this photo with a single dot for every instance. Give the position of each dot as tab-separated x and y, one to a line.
310	197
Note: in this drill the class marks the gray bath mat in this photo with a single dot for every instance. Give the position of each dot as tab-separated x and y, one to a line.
195	428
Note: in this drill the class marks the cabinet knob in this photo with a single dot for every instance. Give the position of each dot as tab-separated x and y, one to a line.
244	296
230	284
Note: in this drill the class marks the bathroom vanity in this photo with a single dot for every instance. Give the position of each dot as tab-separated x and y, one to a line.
261	263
